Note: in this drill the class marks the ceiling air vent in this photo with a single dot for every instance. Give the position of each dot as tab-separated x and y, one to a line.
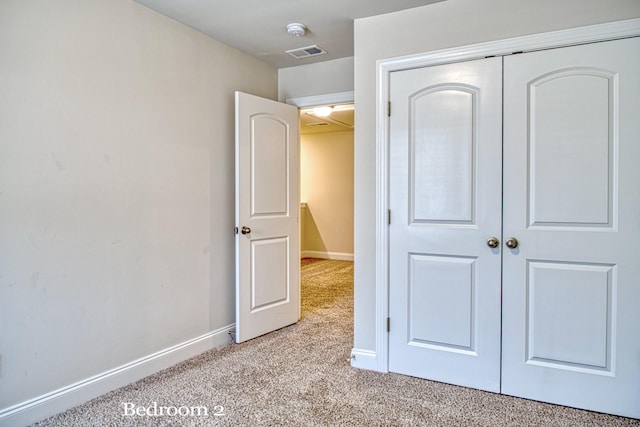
305	52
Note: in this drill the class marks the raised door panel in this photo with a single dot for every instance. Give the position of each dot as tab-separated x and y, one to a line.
570	314
442	302
572	148
270	284
269	166
442	154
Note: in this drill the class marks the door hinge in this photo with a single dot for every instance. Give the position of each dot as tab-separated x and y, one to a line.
235	230
389	216
388	324
388	108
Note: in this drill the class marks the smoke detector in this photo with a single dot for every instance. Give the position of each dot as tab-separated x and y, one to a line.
296	29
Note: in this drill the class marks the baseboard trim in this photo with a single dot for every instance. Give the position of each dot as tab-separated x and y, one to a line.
342	256
49	404
364	359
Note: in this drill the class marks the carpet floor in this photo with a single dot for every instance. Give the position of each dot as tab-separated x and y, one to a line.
300	376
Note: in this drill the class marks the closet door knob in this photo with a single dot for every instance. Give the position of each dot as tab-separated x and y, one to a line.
493	242
246	230
511	243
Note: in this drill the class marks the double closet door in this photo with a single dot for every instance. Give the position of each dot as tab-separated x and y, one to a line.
514	241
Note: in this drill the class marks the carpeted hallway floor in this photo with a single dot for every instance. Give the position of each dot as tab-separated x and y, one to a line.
300	376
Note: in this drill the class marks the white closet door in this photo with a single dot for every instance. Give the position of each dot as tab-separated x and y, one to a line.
571	289
445	201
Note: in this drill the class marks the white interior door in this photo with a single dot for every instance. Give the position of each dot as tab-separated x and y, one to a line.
445	202
267	212
572	184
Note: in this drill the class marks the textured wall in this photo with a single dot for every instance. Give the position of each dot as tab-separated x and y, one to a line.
116	187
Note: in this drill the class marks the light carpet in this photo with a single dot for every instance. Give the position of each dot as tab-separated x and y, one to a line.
301	376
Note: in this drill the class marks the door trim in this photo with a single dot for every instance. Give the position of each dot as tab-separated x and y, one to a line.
379	360
329	98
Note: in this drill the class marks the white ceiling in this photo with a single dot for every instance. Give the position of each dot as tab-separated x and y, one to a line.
338	121
258	27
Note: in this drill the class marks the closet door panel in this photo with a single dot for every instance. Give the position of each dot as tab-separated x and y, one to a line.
445	200
571	186
571	148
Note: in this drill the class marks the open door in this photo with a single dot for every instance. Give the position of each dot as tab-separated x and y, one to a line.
267	214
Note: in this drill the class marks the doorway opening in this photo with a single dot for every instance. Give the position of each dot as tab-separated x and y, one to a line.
326	182
326	188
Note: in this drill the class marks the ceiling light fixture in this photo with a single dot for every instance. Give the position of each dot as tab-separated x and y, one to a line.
322	111
296	29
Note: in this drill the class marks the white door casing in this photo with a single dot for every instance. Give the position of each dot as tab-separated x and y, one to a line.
571	187
445	203
267	216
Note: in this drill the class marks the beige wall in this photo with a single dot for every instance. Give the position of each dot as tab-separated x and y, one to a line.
326	165
438	26
116	187
319	78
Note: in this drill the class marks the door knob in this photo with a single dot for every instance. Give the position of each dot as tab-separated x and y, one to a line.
511	243
246	230
493	242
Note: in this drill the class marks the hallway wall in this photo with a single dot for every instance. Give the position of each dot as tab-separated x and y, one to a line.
326	164
319	78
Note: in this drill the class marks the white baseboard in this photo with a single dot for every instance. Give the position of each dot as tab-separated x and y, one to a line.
364	359
342	256
49	404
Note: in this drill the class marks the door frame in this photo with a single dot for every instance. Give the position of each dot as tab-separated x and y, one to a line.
305	102
315	100
379	360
